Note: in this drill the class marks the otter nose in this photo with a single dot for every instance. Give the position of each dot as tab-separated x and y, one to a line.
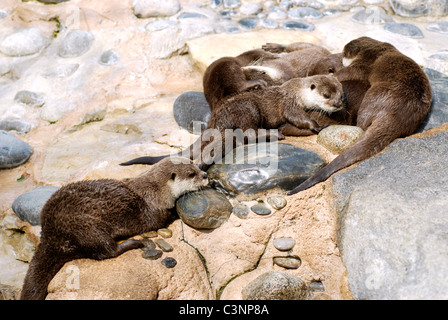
337	105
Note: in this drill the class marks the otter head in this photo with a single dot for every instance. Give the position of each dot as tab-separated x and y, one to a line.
183	176
364	49
321	93
327	65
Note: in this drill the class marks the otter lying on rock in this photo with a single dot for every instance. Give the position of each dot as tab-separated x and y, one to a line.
86	219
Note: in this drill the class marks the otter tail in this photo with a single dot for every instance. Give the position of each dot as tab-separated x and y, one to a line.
371	142
43	268
144	160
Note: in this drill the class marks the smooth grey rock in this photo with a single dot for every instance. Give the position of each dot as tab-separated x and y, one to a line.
284	243
254	168
372	15
24	42
75	44
151	254
393	227
205	209
241	211
248	23
29	98
302	13
169	262
297	25
276	285
13	124
405	29
29	205
191	109
277	202
337	138
165	246
261	209
109	58
155	8
438	114
13	151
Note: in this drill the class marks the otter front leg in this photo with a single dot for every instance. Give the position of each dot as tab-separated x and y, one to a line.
257	84
302	121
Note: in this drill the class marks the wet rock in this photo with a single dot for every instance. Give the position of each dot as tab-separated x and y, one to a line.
302	13
405	29
191	108
169	262
13	124
373	15
75	44
439	26
29	205
392	213
263	167
24	42
337	138
287	262
205	209
155	8
29	98
438	114
13	151
241	211
276	286
297	25
284	243
277	202
417	8
261	209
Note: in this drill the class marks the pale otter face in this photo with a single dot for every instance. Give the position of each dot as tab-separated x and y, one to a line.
186	178
322	93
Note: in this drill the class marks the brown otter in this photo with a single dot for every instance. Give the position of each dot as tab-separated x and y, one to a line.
296	60
86	219
279	107
397	100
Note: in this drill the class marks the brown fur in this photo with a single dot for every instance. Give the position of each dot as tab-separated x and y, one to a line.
397	99
86	219
278	107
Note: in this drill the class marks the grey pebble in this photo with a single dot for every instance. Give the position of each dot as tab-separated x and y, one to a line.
169	262
241	211
288	262
165	246
284	243
261	209
151	254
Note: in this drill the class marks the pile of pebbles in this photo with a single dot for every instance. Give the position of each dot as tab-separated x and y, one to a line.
154	249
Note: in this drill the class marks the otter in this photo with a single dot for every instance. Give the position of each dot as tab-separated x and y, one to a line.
396	100
296	60
278	107
86	219
224	78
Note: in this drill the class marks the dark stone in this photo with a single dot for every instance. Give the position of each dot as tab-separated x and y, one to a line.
13	151
148	243
191	107
265	166
297	25
29	205
261	209
249	23
405	29
169	262
205	209
151	254
438	114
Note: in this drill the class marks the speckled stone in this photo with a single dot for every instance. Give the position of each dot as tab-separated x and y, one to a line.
169	262
277	202
337	138
288	262
241	211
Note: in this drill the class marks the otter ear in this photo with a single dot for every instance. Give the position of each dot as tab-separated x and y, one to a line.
173	176
313	86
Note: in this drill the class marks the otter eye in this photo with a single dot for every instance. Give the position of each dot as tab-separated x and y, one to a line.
326	96
192	175
313	86
173	176
331	70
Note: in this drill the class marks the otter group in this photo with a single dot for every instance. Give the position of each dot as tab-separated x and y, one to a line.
298	89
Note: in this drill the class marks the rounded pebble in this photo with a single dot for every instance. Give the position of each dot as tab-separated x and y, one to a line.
405	29
75	44
241	211
24	42
13	151
150	234
165	233
284	243
261	209
337	138
151	254
169	262
277	202
149	244
288	262
296	25
109	58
